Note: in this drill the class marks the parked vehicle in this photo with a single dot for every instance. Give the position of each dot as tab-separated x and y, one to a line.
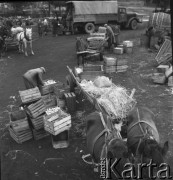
86	15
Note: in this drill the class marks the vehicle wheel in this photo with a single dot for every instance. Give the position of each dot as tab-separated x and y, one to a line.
133	24
70	82
89	28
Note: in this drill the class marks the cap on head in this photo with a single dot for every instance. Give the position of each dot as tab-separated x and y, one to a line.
43	69
105	25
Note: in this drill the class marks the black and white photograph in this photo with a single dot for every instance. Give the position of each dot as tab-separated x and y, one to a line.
86	90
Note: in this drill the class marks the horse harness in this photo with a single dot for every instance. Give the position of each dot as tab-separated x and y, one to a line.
25	37
110	135
145	134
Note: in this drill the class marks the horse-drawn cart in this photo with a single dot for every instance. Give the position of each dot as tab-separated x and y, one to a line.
90	73
11	43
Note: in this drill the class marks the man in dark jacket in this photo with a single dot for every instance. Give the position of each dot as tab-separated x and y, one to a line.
110	35
33	78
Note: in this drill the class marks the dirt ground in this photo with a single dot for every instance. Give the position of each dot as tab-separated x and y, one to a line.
38	160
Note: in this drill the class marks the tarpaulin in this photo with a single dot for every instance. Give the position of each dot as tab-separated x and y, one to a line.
95	7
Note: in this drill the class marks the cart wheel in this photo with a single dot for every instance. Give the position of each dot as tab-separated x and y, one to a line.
70	82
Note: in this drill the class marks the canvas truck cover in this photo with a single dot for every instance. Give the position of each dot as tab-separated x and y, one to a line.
94	7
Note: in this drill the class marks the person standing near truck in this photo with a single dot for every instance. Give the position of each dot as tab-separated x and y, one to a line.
110	35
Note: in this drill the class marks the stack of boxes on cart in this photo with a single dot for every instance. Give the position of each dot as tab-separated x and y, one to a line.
41	114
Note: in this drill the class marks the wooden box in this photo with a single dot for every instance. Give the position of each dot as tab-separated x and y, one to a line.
30	95
169	71
57	122
109	69
36	109
90	67
21	136
49	100
61	140
170	81
128	43
128	50
40	134
110	61
121	68
162	68
18	120
46	89
70	99
118	50
159	78
38	122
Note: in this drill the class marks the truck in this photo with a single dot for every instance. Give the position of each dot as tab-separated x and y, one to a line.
88	15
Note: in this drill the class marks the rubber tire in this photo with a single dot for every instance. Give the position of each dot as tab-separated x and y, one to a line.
133	24
70	82
88	31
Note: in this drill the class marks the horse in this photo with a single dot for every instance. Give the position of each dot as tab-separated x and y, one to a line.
143	138
24	38
3	34
102	144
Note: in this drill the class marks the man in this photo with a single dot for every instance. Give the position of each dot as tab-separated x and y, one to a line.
40	28
33	78
45	23
116	30
110	35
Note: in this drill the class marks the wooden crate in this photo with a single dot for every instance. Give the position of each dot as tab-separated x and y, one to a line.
39	134
162	68
38	122
128	50
36	109
57	122
110	61
90	67
170	81
61	140
118	50
21	136
159	78
110	69
121	68
165	50
46	89
49	100
18	120
30	95
70	99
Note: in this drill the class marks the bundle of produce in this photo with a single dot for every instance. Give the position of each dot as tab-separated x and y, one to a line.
117	102
48	82
91	89
102	81
52	110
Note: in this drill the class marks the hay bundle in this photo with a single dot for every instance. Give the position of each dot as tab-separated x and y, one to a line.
117	102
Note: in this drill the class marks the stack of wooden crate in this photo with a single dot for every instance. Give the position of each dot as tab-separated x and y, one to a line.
19	127
70	99
58	124
36	111
112	64
128	47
